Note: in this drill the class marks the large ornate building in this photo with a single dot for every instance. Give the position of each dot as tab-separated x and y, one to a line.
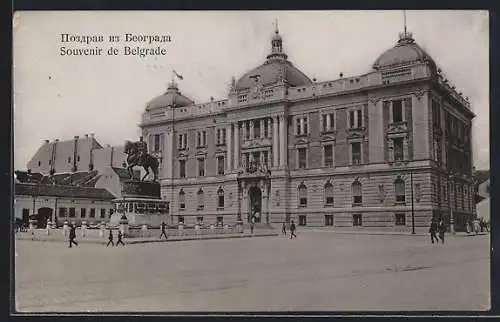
389	149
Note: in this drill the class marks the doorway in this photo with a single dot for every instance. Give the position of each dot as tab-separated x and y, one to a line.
255	195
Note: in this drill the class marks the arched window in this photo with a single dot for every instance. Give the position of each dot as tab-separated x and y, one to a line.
182	199
399	187
220	198
357	195
201	199
329	193
302	195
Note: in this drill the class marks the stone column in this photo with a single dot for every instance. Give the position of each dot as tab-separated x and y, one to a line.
251	129
274	135
261	128
269	127
229	136
236	145
328	122
283	142
301	125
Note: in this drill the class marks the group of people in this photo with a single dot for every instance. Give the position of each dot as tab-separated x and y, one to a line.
72	237
437	228
292	229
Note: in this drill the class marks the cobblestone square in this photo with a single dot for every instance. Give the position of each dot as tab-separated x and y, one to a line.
320	270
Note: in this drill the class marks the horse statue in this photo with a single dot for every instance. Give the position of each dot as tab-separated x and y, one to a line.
136	157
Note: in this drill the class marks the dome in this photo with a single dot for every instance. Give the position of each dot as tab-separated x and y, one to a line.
276	69
272	72
172	97
406	51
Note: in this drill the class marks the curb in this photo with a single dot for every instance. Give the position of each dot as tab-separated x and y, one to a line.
132	241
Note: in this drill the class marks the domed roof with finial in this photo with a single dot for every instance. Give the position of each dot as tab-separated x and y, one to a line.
275	69
405	51
172	97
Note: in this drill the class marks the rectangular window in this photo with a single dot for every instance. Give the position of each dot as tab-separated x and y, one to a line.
179	143
398	149
220	164
298	127
220	201
198	139
224	136
351	119
306	129
199	220
256	129
72	213
83	212
357	220
328	220
356	153
359	118
266	128
247	130
111	212
220	221
180	219
204	136
324	122
302	158
182	168
328	151
103	213
397	111
92	213
218	140
302	220
63	212
400	219
201	167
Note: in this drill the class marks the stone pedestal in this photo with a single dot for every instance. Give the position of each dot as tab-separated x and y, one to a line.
65	228
84	228
124	226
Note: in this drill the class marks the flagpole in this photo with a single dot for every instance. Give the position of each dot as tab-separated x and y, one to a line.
404	16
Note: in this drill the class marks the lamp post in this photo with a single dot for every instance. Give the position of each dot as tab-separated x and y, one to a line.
451	176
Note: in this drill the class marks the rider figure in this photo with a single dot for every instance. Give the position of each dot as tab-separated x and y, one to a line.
142	148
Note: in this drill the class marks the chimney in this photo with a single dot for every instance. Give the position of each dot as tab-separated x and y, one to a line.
86	136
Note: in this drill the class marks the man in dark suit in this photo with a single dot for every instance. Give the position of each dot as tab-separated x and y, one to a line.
292	230
72	236
433	231
163	233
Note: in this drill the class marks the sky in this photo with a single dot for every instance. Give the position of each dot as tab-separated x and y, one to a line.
62	96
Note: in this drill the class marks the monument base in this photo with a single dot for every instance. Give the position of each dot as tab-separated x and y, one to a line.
152	220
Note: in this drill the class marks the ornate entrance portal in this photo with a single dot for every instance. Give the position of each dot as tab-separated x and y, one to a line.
255	199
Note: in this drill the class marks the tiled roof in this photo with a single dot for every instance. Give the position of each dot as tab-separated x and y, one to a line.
29	189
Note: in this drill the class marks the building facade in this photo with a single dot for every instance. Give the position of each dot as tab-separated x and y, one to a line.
390	149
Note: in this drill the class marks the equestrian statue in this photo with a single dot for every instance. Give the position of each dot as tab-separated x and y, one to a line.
137	155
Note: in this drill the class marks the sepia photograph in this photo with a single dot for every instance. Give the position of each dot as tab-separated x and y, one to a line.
251	161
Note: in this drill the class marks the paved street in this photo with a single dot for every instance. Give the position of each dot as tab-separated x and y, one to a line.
320	270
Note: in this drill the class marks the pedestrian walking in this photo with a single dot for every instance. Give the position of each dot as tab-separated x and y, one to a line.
252	224
163	226
110	239
433	229
72	236
441	230
283	229
120	241
292	230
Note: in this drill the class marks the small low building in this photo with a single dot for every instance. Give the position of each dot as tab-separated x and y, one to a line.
61	203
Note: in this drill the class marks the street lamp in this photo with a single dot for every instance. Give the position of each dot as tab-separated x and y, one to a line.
451	176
